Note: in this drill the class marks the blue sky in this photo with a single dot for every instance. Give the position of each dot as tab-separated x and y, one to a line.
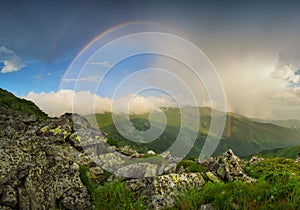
36	76
253	45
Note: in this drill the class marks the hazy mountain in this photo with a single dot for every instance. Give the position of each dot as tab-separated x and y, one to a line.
291	123
287	152
245	136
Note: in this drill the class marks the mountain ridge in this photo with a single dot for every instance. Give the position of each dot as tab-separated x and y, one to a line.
245	136
9	100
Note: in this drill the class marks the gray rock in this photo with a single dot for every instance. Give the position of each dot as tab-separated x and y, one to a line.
137	170
9	197
297	160
96	170
111	161
128	151
233	169
208	206
227	167
221	171
255	160
5	208
151	152
39	166
162	191
212	177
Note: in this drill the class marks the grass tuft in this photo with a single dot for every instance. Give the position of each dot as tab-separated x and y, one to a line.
111	195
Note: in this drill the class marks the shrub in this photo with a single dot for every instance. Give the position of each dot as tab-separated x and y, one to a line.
191	166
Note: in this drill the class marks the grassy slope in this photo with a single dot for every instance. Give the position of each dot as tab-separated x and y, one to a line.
288	152
246	137
277	187
291	123
9	100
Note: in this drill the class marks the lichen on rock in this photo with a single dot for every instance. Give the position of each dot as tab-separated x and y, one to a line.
38	167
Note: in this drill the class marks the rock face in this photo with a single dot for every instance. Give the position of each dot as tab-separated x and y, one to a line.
39	163
297	160
227	168
162	190
130	166
255	160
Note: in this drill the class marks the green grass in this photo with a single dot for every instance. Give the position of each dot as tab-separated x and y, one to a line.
9	100
191	166
276	188
288	152
273	169
110	195
246	138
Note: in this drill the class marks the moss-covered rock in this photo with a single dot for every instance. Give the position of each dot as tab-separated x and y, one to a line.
39	167
162	191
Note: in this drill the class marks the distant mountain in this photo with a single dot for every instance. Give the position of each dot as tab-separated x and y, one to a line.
288	152
245	136
290	123
11	101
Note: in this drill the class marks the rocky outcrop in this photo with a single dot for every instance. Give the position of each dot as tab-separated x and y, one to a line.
297	160
130	166
208	206
233	169
226	168
162	190
39	165
255	160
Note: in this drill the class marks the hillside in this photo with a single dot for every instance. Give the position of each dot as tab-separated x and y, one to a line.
9	100
287	152
291	123
45	166
243	135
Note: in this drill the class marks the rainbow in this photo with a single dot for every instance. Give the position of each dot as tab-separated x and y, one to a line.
104	37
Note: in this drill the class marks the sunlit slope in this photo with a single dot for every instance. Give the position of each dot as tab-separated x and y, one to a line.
243	135
9	100
287	152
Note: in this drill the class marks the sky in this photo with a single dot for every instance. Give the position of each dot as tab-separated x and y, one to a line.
47	54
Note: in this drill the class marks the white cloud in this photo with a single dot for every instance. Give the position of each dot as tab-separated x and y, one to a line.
286	71
104	63
58	103
10	60
138	104
82	79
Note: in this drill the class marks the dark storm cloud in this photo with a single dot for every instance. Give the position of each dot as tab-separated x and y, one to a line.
56	30
32	28
242	39
51	30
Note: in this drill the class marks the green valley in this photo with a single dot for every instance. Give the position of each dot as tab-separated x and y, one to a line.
245	136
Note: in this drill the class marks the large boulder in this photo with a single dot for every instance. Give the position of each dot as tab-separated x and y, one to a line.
233	168
162	191
227	168
39	165
127	166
